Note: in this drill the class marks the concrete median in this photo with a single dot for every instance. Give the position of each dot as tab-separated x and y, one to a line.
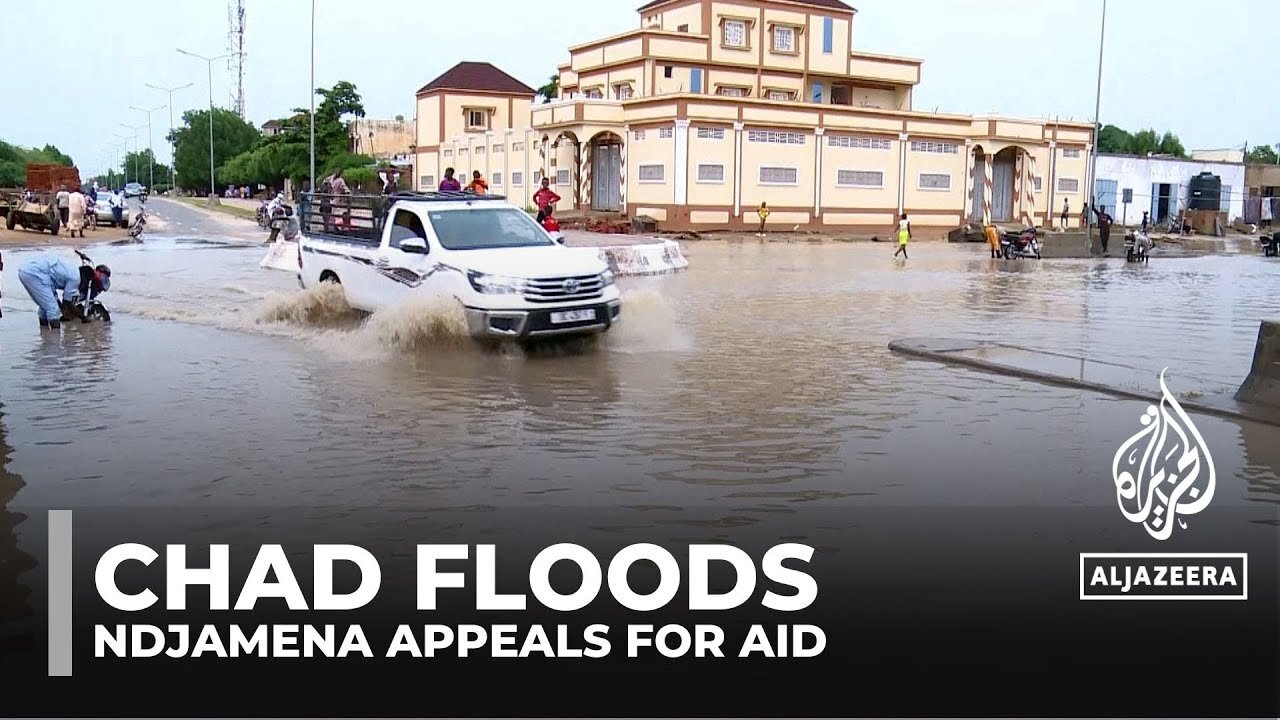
1262	386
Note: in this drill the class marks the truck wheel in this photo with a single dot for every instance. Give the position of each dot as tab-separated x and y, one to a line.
329	276
11	221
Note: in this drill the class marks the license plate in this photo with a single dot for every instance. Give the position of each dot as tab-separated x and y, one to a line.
569	316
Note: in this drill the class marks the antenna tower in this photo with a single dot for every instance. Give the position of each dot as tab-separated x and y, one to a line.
235	43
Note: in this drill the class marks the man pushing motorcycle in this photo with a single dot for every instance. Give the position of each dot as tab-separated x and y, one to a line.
45	276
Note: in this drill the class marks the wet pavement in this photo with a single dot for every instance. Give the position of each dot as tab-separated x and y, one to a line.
757	380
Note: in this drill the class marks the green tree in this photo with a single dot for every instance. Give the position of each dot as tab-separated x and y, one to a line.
55	156
137	167
1262	154
1171	145
1114	140
1143	142
231	136
339	102
551	90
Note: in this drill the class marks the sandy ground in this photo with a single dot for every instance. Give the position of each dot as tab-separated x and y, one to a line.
19	238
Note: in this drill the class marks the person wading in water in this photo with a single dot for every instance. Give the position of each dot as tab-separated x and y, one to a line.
904	236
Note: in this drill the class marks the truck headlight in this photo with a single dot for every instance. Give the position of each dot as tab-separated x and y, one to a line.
606	278
495	284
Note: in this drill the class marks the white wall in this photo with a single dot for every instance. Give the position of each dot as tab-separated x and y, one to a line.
1139	173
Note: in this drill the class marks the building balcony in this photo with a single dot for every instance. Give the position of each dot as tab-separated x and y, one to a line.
571	111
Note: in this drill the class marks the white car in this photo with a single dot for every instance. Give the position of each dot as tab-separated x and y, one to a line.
103	210
512	279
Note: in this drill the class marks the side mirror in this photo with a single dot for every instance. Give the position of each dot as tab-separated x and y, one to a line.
414	245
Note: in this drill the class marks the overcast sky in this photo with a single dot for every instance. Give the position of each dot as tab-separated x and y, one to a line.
1186	65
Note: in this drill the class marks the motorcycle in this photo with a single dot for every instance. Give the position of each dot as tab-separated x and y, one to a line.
1137	247
264	218
94	280
139	221
1022	244
282	218
1270	245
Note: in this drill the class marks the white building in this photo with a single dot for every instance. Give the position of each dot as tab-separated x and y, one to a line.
1160	185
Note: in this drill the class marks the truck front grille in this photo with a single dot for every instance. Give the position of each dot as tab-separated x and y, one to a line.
563	289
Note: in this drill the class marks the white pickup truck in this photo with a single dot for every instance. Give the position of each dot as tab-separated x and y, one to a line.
512	279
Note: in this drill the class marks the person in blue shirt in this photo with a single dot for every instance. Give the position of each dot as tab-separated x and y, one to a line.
44	277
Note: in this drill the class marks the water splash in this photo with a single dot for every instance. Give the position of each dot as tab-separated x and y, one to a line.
647	324
324	305
419	324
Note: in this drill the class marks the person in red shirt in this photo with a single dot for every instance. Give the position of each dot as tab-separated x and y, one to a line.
544	199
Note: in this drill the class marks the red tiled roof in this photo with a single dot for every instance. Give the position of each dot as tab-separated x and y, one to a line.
832	4
480	77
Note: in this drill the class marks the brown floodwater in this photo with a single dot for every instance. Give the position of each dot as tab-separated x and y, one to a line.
758	379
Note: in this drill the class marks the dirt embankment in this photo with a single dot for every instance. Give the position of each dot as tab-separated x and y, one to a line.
19	238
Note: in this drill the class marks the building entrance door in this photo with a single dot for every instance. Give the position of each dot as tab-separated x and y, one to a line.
606	176
1002	176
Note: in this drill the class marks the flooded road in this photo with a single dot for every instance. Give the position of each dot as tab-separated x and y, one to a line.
757	380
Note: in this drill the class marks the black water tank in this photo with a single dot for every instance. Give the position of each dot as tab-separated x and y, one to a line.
1205	192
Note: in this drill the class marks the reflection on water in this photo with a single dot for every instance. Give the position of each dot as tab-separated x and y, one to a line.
16	613
756	381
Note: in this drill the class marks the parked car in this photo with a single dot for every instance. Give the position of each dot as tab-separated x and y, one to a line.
513	281
104	216
134	189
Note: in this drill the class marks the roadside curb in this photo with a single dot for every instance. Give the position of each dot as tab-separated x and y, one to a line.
656	258
970	353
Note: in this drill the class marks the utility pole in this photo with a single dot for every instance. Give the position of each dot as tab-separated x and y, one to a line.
1097	111
312	92
173	147
135	129
213	195
151	173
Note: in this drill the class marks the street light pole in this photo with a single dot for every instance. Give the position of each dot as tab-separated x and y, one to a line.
173	147
213	196
135	129
312	92
151	173
1097	111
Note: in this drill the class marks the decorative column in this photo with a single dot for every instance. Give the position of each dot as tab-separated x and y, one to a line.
817	172
970	165
1053	179
737	168
1031	190
682	162
902	173
622	168
1019	185
582	168
488	150
987	185
506	162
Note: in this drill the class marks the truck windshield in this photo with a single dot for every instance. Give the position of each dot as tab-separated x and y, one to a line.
487	228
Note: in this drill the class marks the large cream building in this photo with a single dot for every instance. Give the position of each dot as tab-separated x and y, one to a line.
712	107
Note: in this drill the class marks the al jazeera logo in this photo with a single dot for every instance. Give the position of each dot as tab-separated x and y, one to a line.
1164	476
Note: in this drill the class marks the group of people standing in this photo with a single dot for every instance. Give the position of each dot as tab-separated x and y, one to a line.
77	210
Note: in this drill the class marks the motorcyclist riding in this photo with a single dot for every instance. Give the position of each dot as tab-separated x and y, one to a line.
45	276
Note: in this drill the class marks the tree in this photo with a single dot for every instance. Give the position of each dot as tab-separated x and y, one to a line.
1262	154
231	136
1143	142
1114	140
15	158
137	165
56	156
551	90
1171	145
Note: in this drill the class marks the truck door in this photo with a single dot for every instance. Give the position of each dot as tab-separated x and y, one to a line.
404	264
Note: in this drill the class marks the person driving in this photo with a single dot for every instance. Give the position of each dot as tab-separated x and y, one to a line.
44	276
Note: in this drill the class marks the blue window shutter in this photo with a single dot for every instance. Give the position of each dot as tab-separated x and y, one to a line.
828	34
817	92
697	80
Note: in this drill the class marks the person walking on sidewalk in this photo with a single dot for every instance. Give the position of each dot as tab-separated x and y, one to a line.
904	236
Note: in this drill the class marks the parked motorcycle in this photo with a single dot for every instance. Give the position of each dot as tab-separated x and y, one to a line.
139	222
264	217
1022	244
1270	245
1137	247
